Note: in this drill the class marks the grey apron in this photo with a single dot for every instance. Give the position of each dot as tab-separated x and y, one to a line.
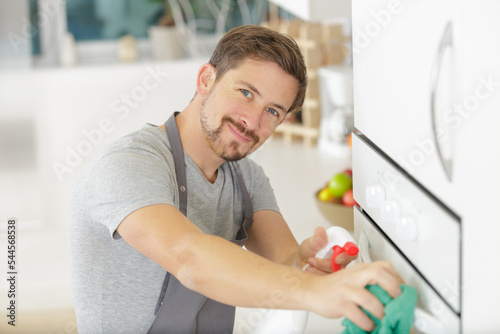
184	310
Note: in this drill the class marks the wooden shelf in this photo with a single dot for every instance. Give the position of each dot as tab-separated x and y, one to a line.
320	44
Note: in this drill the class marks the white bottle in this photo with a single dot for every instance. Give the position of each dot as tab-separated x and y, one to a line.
295	321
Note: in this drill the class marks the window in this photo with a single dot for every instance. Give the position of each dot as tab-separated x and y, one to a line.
97	25
111	19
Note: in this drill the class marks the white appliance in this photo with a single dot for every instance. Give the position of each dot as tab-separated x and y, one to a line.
426	157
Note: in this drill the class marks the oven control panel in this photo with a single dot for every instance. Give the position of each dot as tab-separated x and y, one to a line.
422	228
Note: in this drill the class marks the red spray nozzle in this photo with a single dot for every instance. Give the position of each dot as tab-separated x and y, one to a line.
349	247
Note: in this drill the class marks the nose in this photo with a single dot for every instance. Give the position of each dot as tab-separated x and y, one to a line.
250	118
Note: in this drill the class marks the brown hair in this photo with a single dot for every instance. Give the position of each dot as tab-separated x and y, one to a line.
260	43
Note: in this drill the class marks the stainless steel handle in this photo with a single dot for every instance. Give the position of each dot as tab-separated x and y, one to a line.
446	41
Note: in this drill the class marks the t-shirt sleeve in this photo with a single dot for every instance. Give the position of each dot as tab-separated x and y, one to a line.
259	187
124	180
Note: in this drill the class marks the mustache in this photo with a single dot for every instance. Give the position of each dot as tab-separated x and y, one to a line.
247	133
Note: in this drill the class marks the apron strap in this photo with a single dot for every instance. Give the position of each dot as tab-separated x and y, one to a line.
180	165
247	207
180	173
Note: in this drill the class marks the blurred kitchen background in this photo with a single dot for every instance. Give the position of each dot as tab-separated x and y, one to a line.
78	74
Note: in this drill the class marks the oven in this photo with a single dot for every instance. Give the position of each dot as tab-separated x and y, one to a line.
400	221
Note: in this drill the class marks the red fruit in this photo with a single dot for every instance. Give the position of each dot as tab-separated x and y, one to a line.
348	199
348	172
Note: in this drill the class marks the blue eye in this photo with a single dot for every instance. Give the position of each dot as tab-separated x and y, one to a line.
273	111
246	93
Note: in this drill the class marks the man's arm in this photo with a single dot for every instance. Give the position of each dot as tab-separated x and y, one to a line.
270	237
205	263
225	272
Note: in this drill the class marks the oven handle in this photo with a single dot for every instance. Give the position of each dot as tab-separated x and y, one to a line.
423	322
364	246
446	41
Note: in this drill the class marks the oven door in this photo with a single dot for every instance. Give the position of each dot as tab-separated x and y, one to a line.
419	226
432	314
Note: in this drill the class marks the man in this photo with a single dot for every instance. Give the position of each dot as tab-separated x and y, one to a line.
159	217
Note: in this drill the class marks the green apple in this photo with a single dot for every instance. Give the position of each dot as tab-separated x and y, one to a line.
339	184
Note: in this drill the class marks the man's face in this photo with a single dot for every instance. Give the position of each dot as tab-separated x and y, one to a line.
244	107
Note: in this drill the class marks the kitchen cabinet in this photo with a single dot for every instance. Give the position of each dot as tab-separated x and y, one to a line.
478	91
426	104
396	47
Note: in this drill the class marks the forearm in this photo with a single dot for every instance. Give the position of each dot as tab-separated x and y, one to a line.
270	237
231	275
224	272
212	265
292	258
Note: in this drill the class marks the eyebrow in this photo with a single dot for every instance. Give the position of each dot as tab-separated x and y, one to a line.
252	87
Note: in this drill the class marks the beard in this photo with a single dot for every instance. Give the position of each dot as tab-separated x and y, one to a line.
226	151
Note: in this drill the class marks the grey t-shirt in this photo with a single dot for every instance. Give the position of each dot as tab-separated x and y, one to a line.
115	288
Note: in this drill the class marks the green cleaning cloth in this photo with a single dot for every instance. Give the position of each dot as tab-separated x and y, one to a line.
398	312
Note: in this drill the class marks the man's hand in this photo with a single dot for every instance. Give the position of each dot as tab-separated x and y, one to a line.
343	293
308	249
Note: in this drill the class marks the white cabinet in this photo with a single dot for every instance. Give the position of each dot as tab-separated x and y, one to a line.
478	91
396	49
427	100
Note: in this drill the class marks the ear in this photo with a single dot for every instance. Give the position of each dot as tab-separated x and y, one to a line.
205	78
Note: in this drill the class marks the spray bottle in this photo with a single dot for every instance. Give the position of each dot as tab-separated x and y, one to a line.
295	321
